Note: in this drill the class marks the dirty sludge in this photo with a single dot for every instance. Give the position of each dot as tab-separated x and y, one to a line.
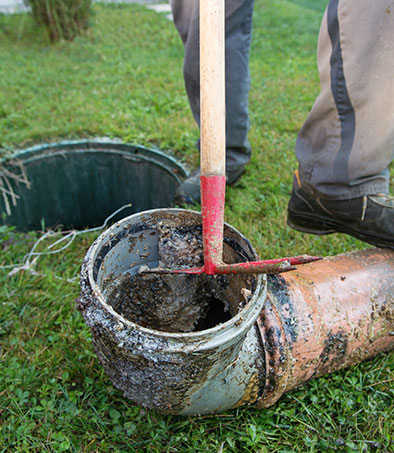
178	302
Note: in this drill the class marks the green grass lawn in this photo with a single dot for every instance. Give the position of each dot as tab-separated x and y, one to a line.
124	79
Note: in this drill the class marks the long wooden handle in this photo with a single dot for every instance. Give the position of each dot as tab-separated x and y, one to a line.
212	88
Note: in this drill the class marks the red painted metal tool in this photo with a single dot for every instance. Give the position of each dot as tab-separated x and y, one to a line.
213	153
212	211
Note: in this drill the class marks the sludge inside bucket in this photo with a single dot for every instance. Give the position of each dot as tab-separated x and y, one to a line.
159	339
79	184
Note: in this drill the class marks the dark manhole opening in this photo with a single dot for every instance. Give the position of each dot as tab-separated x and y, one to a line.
79	184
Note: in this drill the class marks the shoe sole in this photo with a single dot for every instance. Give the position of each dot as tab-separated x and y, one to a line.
313	224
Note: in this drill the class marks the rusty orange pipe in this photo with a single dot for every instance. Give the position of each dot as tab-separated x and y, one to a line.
325	316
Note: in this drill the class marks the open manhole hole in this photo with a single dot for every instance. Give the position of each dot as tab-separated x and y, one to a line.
79	184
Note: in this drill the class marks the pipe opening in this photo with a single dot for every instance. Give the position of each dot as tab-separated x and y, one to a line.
175	303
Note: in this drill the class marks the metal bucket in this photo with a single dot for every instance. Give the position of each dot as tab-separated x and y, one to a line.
184	373
78	184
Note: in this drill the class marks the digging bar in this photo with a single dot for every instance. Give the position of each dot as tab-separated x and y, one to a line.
213	154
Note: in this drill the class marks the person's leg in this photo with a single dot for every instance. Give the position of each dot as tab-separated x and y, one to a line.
238	40
347	141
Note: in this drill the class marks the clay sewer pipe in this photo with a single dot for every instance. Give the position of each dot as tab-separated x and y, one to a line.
297	326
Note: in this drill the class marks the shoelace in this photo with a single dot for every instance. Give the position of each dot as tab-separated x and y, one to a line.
386	196
364	207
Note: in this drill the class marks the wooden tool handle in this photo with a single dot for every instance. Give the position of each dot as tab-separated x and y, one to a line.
212	88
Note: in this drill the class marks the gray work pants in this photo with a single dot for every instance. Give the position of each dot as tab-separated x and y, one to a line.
347	141
238	39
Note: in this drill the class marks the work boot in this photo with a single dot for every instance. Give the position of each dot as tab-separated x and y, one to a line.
369	218
189	191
